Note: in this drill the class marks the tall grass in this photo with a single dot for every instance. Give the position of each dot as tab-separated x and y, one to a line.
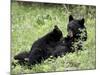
31	21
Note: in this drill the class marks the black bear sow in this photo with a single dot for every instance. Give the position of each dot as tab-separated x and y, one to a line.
77	30
42	48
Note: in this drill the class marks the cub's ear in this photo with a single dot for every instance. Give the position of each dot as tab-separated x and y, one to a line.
82	21
70	18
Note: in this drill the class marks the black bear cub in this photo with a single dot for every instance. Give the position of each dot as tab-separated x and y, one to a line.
54	44
42	48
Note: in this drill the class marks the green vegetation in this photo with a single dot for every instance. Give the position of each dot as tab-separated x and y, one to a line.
31	21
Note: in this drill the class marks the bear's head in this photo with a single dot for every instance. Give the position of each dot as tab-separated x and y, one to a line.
76	28
56	33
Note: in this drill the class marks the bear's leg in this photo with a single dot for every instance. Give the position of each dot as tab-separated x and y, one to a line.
22	56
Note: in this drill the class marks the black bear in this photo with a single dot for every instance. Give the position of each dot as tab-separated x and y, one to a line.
77	30
42	48
77	34
54	44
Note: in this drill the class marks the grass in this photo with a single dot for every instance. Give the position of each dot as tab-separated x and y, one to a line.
31	21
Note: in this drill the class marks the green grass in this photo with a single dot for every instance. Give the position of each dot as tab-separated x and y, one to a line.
31	21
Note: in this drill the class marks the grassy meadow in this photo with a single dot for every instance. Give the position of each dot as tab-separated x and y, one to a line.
31	21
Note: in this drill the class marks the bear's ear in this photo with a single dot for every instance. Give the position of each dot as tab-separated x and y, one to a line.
82	21
55	28
70	18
